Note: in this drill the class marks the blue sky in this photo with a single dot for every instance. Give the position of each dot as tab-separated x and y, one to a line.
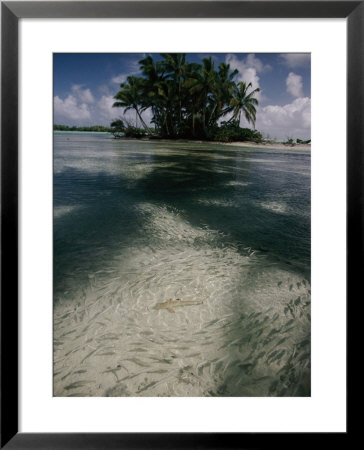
85	83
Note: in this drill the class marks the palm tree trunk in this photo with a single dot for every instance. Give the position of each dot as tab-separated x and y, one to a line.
233	117
142	122
204	121
212	112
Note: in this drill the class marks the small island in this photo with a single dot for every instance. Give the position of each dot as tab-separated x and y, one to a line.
188	101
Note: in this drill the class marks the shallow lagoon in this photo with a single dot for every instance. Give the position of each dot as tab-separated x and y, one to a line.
139	222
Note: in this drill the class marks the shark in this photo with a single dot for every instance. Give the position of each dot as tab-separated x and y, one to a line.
171	304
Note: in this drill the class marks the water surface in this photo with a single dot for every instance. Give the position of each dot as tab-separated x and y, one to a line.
139	222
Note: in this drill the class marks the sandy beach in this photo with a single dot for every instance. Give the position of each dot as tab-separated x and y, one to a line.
248	144
268	145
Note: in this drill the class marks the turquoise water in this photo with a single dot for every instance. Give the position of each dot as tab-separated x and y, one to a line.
139	222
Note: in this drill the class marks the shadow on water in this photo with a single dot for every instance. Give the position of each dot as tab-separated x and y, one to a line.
107	219
206	186
231	194
173	182
263	348
84	242
261	353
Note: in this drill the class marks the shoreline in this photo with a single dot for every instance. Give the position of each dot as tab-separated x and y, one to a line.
269	145
247	144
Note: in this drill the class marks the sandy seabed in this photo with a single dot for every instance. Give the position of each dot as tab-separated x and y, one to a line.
249	337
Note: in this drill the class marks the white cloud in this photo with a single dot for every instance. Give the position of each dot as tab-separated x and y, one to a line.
81	109
76	108
70	109
105	111
133	69
294	85
292	120
279	122
104	89
250	76
248	70
256	63
121	78
294	60
85	95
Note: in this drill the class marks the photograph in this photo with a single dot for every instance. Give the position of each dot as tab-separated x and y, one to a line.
182	224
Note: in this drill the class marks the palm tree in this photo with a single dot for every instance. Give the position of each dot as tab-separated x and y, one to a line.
222	90
175	67
166	110
201	85
153	74
186	99
244	102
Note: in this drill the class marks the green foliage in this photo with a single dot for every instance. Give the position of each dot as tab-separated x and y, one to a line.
118	128
134	132
187	100
290	142
94	128
232	132
117	125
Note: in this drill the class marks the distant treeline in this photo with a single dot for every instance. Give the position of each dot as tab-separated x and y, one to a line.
292	143
99	128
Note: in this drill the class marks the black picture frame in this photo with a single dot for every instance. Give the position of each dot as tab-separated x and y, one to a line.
11	12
